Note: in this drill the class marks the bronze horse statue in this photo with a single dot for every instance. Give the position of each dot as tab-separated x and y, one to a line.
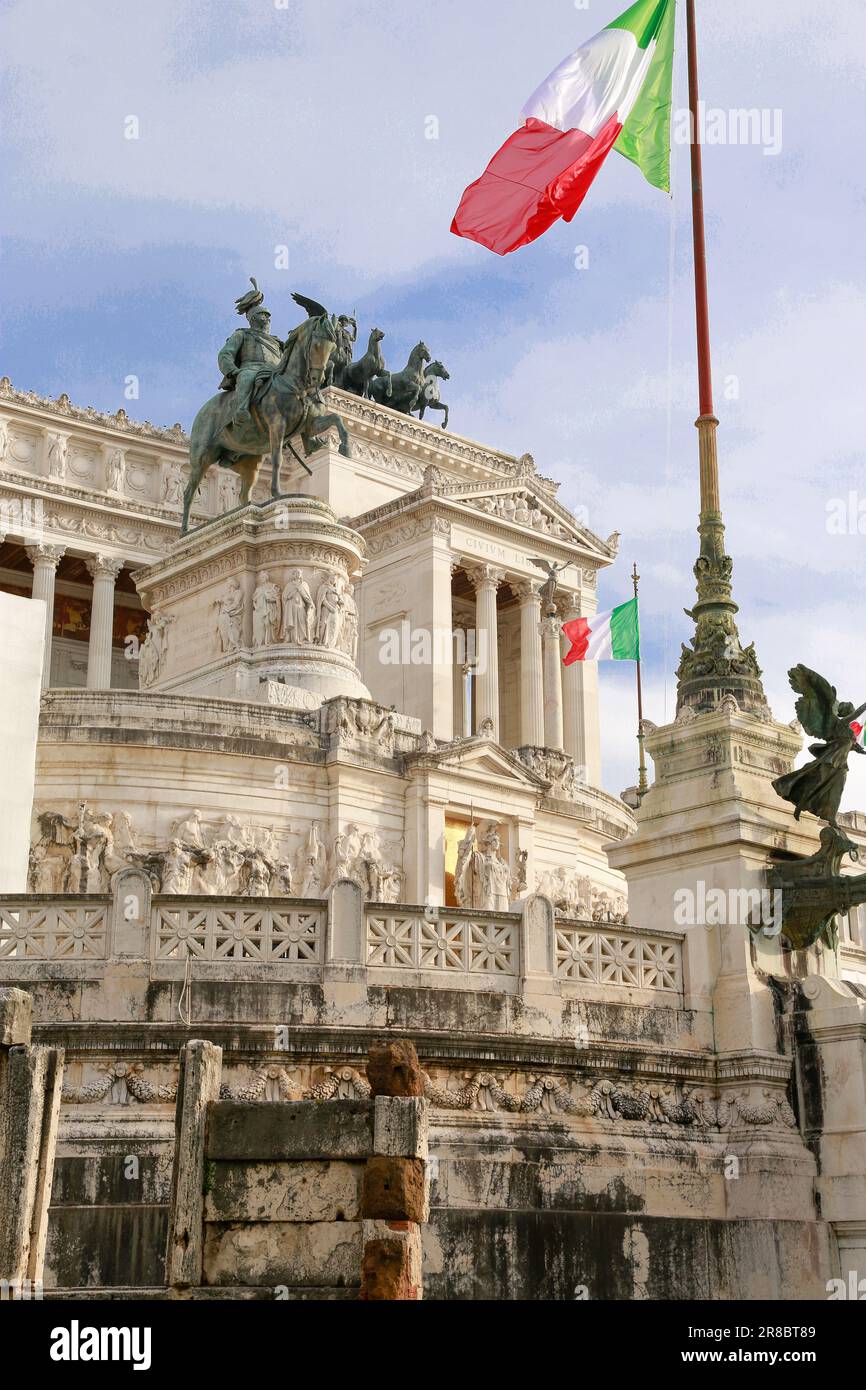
401	390
430	398
290	404
357	376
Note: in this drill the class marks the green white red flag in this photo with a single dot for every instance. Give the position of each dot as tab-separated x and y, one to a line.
612	93
859	732
613	636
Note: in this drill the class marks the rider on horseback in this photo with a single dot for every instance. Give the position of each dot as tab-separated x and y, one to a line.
250	354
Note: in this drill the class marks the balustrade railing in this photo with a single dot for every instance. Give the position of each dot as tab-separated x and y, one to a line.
54	928
598	954
449	943
291	932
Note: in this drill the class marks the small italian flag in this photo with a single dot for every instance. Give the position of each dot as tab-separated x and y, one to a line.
859	732
613	93
613	636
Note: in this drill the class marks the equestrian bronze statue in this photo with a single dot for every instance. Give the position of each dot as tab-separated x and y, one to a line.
270	391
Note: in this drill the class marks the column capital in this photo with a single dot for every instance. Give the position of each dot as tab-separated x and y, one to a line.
481	576
569	605
40	553
106	565
526	590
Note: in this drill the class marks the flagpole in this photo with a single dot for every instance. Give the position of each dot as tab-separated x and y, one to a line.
716	664
642	784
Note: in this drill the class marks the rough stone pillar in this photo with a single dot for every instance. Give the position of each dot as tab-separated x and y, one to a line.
531	679
31	1079
552	661
45	559
395	1199
581	733
104	570
198	1085
486	580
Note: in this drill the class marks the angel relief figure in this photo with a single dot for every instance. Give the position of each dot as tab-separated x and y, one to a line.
818	786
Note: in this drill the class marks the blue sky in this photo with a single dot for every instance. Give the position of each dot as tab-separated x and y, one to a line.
304	125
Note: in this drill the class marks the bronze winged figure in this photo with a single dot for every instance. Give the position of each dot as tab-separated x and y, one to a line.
548	590
818	786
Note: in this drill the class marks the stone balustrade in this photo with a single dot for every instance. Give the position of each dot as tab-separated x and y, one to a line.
299	938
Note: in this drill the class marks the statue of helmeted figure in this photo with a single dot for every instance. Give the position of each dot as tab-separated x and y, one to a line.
482	879
251	354
346	329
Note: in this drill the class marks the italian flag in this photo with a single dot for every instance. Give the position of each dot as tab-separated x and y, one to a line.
859	732
612	93
613	636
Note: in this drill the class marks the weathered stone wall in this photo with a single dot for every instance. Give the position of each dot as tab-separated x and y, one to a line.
299	1199
31	1076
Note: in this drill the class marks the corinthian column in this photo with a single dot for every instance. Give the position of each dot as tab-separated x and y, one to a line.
552	661
582	739
531	679
104	570
486	579
45	559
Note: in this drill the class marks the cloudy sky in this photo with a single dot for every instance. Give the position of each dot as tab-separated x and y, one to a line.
305	124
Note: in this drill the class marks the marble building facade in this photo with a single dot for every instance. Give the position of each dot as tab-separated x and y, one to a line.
253	825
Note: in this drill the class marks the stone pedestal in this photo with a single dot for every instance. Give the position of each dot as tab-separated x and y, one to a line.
258	605
707	830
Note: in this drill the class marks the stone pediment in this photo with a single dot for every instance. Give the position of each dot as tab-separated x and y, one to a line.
480	755
511	505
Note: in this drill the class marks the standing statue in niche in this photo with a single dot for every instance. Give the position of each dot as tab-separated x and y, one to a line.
329	607
349	639
299	610
114	472
153	649
482	879
266	612
230	617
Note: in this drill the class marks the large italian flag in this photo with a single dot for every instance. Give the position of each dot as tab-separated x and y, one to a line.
613	93
613	636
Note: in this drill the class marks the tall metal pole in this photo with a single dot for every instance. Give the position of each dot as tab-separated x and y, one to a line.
716	664
702	308
642	784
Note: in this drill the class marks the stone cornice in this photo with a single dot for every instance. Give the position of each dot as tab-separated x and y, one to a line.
422	504
430	443
78	512
62	410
